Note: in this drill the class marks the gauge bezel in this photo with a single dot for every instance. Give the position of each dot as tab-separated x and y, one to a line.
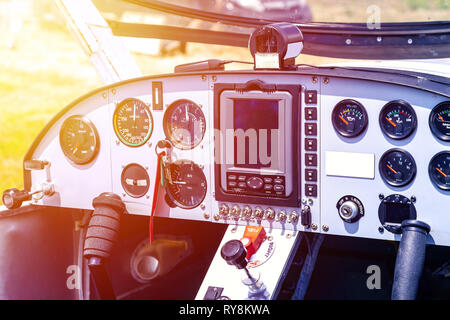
405	105
432	125
173	199
335	112
91	126
121	139
126	189
168	131
430	170
397	184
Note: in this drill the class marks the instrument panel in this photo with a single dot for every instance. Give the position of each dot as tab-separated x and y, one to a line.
346	148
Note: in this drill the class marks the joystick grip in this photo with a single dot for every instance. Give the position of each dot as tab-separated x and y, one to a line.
234	253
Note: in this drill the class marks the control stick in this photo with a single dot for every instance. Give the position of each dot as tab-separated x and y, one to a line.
234	253
410	259
101	236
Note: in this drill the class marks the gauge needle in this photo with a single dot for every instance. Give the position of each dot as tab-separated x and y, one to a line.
442	119
390	121
186	113
390	168
179	182
345	121
440	171
134	112
75	149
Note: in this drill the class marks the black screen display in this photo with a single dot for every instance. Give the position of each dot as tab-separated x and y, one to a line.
397	212
256	129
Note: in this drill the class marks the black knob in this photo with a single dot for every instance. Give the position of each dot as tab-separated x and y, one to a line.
234	253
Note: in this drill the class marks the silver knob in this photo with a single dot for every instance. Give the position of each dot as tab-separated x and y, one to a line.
259	213
269	214
247	212
223	209
235	211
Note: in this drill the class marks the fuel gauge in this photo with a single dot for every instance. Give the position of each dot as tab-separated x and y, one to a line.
439	170
397	167
349	118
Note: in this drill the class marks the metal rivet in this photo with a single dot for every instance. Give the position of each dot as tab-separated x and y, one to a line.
117	142
314	226
380	229
214	78
113	91
379	39
217	217
203	77
288	236
381	196
104	95
325	228
410	41
413	199
348	41
233	230
202	206
314	79
326	80
206	215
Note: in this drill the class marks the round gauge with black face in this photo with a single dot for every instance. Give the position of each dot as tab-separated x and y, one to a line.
439	170
398	119
133	122
135	180
79	139
349	118
439	121
187	185
397	167
184	124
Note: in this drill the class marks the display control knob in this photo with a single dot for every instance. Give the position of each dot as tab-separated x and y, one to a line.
234	253
269	214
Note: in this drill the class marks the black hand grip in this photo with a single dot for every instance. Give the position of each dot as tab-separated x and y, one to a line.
103	227
234	253
410	260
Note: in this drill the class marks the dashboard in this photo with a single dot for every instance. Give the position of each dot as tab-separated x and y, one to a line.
350	155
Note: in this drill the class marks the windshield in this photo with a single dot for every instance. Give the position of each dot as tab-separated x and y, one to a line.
362	11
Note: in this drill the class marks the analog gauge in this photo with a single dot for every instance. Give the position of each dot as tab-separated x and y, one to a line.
440	121
187	184
397	167
398	119
135	180
349	118
133	122
184	124
79	139
439	170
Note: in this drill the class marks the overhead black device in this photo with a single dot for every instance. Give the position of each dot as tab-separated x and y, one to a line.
275	46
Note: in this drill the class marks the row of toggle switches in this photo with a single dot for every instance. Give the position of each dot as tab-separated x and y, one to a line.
246	213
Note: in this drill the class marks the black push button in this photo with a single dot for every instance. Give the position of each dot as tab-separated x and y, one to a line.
310	113
311	97
311	190
311	175
310	144
311	129
311	159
